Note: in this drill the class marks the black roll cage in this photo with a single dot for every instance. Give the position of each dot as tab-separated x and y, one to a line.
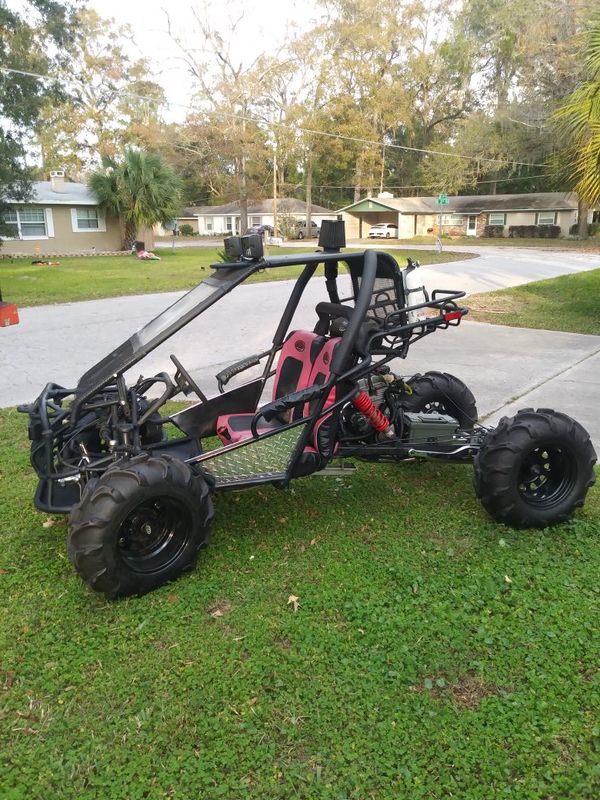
388	337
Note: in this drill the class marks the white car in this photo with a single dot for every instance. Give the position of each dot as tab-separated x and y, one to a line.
384	230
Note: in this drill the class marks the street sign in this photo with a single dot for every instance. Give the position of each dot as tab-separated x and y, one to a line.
442	199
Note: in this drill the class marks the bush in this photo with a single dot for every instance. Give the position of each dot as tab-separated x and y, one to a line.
186	230
593	229
534	231
287	225
493	231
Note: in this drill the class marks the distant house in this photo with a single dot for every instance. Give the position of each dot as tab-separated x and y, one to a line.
225	219
463	216
62	218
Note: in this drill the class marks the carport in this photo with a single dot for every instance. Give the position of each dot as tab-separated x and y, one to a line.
360	216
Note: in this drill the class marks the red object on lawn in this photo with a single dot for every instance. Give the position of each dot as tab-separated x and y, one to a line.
8	313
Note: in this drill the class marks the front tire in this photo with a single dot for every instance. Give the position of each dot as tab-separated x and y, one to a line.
300	235
442	393
139	525
534	469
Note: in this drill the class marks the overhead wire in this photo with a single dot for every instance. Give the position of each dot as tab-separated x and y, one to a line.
302	129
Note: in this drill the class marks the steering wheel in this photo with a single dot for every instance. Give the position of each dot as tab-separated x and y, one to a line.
184	381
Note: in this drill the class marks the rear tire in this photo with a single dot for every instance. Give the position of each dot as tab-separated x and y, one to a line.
534	469
139	525
442	393
300	235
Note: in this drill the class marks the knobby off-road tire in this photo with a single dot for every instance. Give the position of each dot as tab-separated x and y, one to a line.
442	393
534	469
139	525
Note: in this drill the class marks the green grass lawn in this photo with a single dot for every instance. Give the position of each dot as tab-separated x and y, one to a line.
87	278
434	654
569	303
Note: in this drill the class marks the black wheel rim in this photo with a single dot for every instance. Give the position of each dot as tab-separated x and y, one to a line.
547	475
154	534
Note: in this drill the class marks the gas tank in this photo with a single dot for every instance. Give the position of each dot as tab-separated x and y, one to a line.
414	291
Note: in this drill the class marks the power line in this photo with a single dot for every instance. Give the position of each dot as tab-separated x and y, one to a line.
429	186
311	131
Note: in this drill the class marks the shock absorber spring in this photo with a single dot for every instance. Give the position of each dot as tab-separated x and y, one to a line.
363	403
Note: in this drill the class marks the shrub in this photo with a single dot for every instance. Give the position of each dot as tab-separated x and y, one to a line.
593	229
186	230
492	231
287	225
534	231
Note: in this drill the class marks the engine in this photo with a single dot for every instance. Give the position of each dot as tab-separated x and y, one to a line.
388	394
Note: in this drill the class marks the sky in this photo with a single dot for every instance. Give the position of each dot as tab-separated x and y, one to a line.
263	27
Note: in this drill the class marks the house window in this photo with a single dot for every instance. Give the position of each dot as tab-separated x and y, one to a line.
209	224
87	219
229	224
452	219
12	221
497	218
27	223
255	220
546	218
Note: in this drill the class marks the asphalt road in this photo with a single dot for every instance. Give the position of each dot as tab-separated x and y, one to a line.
506	368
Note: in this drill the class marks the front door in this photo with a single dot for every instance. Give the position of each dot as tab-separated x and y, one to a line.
471	226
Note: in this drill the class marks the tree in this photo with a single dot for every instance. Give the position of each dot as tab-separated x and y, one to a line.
141	189
112	103
25	46
579	120
224	88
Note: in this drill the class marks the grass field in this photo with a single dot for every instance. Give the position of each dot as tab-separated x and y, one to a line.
87	278
434	653
569	303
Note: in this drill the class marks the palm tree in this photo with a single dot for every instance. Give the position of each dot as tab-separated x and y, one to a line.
579	120
141	189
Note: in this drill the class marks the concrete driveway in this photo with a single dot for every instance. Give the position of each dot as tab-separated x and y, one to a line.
506	368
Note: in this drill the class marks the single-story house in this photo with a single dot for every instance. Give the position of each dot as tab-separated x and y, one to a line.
467	215
63	218
225	219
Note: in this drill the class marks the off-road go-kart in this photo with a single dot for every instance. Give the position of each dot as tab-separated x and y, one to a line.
140	503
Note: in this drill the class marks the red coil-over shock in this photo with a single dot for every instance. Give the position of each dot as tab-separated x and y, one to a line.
363	403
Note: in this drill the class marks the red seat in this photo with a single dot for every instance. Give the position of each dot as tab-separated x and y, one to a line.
294	367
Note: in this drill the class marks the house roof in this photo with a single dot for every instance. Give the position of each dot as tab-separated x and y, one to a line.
74	194
474	204
285	205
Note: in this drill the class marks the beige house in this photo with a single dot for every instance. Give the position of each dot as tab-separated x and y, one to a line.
224	220
468	215
63	218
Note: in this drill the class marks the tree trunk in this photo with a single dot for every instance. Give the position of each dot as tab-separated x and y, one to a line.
309	178
582	219
129	235
243	197
243	185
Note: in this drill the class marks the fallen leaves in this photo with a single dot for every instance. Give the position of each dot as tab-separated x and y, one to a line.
220	609
294	602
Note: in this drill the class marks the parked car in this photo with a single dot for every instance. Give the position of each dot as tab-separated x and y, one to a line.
384	230
302	232
262	229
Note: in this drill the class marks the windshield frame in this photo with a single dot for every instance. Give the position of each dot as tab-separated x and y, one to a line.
159	329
